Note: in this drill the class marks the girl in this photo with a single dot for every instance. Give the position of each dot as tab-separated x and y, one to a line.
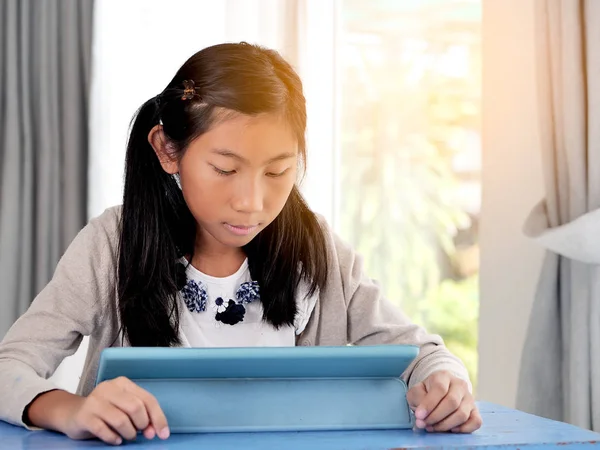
213	246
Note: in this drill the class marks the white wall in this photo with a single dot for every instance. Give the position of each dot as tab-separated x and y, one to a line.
512	184
68	373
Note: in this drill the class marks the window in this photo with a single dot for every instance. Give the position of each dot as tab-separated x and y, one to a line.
408	182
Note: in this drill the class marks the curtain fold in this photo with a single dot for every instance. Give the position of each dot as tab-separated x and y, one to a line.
45	57
560	367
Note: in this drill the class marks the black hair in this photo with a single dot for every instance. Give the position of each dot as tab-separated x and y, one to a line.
157	227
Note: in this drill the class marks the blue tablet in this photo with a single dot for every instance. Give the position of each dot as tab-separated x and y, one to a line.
270	389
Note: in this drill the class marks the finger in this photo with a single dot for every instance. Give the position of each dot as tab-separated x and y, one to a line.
118	421
103	432
134	407
454	420
415	395
149	432
448	405
157	417
437	388
473	424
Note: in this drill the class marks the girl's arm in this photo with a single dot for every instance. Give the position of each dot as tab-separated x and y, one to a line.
372	320
69	307
440	392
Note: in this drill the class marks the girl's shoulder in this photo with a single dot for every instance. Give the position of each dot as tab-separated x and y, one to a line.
99	239
340	252
107	223
344	264
89	263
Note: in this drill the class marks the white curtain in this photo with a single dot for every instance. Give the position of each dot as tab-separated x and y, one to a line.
560	368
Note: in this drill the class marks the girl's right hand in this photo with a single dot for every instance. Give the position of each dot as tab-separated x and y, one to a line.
116	410
113	411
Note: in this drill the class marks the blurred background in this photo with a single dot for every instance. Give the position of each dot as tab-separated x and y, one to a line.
423	142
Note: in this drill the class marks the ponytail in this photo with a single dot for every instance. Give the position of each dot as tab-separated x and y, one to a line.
156	228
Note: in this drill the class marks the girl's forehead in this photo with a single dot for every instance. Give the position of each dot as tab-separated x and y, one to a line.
261	123
249	136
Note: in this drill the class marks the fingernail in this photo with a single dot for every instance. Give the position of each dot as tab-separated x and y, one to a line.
118	441
164	433
420	424
455	430
429	428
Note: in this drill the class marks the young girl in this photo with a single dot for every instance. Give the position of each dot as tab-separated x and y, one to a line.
213	246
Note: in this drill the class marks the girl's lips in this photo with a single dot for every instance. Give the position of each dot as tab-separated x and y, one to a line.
241	230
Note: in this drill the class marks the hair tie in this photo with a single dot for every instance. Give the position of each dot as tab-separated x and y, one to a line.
189	90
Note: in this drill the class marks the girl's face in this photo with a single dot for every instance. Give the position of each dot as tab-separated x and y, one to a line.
237	177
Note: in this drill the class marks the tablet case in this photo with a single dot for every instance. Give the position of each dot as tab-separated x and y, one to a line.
270	389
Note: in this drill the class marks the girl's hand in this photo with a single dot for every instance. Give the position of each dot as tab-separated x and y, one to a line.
114	410
443	403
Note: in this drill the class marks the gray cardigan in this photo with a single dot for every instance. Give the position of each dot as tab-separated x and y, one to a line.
80	300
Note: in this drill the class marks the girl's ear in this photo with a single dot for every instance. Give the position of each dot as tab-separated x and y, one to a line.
164	151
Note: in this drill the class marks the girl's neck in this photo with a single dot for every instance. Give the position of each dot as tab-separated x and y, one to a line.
217	260
219	266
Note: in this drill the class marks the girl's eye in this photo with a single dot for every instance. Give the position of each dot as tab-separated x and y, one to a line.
223	172
275	175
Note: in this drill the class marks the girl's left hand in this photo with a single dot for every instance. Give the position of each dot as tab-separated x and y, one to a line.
443	403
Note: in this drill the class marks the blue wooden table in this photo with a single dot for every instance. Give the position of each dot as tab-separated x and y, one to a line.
503	429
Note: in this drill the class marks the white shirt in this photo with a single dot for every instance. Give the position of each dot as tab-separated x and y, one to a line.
202	329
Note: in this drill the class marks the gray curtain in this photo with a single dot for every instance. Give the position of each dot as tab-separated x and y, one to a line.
45	55
560	367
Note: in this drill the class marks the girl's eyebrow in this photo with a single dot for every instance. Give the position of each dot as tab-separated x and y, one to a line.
231	154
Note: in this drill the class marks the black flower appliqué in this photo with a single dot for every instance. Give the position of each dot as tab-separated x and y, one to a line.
234	313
